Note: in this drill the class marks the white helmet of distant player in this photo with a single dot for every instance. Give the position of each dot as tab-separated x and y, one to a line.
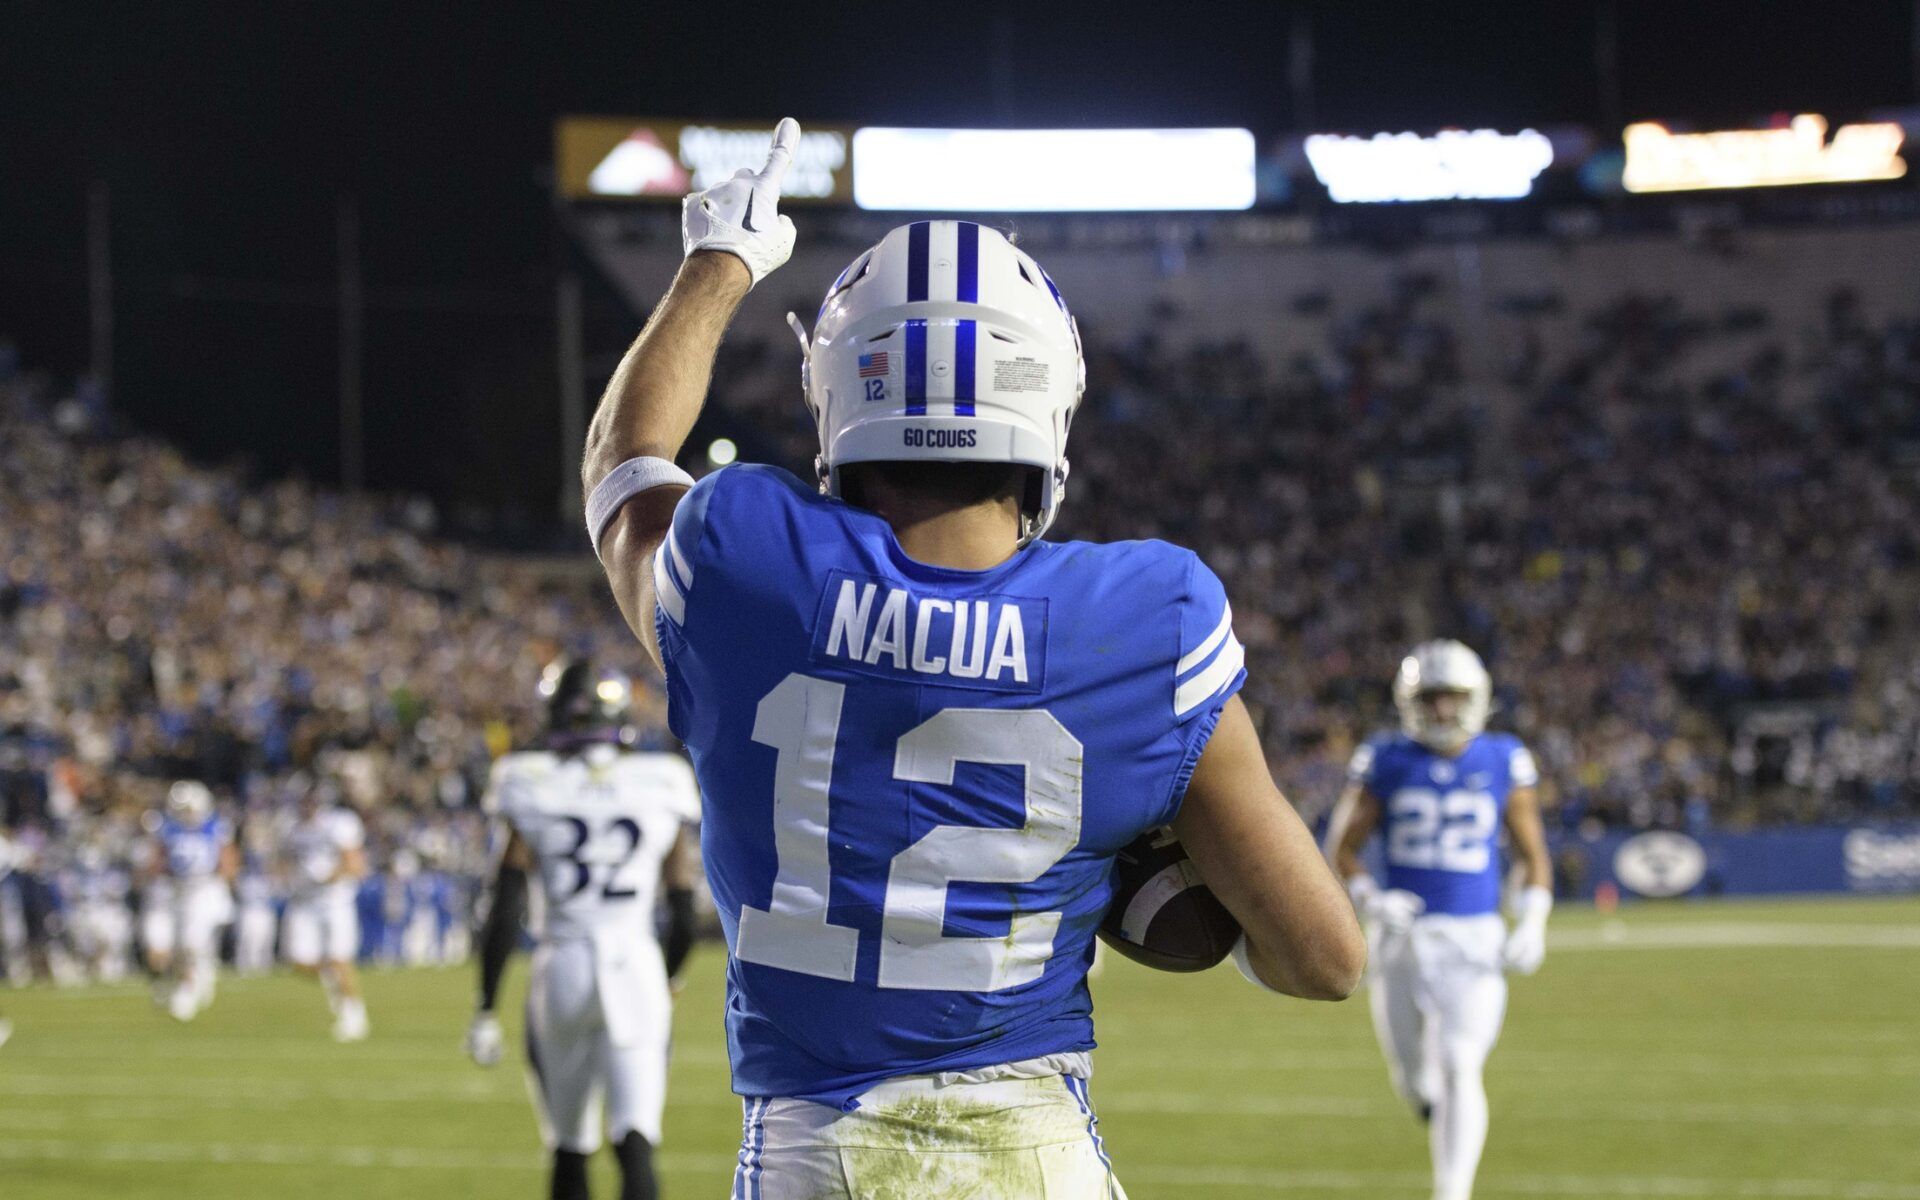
1443	666
946	343
189	800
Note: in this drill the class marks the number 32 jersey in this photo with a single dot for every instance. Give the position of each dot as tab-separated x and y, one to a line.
600	823
1441	815
916	778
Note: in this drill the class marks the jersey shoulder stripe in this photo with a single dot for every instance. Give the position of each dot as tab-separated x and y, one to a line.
1212	662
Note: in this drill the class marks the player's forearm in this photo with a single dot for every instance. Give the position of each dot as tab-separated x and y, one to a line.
657	392
502	929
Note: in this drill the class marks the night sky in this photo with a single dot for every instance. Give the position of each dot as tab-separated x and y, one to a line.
227	133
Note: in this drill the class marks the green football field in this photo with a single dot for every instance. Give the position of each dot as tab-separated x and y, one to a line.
1730	1050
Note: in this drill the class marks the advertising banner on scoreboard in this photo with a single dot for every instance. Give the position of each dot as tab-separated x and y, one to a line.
648	158
1817	858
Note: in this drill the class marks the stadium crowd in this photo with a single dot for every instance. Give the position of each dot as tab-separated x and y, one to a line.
1685	542
1689	546
160	620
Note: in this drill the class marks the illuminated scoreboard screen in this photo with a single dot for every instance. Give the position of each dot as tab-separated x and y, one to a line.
1221	170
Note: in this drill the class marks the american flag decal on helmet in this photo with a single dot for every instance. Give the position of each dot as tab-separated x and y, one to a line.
873	365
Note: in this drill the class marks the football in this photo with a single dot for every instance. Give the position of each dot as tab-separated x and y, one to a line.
1163	914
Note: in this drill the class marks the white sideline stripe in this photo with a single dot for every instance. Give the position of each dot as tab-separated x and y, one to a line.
1199	653
1718	934
412	1158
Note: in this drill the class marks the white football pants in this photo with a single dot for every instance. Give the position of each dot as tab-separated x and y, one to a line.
321	927
599	1017
1438	998
916	1136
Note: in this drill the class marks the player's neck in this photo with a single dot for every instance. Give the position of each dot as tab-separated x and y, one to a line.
974	537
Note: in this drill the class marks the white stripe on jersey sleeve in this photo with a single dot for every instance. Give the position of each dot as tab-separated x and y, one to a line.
672	601
1201	688
1522	771
1360	768
1200	652
680	565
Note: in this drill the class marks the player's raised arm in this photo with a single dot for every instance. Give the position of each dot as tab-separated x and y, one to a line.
1260	860
734	236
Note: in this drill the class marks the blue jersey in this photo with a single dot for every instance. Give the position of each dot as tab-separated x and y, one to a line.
1441	815
193	851
916	778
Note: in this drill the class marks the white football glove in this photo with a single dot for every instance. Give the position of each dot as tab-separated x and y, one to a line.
484	1040
1526	946
742	215
1386	910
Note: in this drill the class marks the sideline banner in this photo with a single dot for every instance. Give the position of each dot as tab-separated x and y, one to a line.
1818	858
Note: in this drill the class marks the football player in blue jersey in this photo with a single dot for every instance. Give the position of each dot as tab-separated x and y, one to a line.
1440	792
922	732
187	898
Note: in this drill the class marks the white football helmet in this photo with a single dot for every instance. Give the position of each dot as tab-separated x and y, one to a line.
1443	666
945	343
189	800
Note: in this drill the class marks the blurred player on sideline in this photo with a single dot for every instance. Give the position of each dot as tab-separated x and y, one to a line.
320	931
6	869
603	827
186	898
1440	791
922	733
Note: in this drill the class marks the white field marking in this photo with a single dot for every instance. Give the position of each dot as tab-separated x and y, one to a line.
316	1048
1708	1113
267	1154
1166	1103
1554	1064
1708	935
1587	1186
1269	1181
140	1086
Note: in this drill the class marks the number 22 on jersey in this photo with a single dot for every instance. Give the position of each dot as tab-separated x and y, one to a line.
1450	832
800	720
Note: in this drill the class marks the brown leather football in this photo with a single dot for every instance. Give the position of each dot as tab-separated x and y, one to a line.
1163	914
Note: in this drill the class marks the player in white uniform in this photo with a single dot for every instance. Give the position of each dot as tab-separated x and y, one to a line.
97	888
1439	792
320	930
602	827
186	898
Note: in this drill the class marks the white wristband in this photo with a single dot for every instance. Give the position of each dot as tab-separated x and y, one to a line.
622	484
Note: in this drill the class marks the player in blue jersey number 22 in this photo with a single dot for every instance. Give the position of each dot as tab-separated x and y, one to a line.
1440	792
923	733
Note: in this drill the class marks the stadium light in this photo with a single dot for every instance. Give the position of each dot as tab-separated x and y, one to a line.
1455	164
1052	170
722	451
1659	160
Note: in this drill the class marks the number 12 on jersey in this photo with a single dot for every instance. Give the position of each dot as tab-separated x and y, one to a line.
800	720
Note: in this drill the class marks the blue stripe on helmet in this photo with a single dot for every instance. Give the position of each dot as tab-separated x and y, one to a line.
969	284
917	365
1057	297
919	252
963	354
